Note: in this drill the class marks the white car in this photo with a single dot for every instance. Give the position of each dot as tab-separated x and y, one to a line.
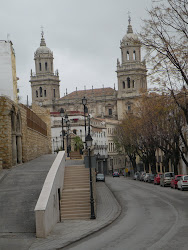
146	177
183	183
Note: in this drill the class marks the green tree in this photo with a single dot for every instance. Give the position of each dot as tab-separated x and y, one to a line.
78	143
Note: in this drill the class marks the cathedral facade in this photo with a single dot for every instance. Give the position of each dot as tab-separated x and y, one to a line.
102	102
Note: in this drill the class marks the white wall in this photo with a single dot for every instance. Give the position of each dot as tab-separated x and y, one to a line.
6	77
47	212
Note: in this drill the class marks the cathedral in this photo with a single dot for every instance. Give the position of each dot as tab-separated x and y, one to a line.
102	102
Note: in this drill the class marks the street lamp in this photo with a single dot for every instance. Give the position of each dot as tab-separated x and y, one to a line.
89	144
84	102
67	125
62	114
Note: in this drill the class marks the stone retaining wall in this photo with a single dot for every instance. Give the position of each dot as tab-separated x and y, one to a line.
18	142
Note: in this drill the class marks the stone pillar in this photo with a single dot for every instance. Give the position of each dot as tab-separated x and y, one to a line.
19	149
14	150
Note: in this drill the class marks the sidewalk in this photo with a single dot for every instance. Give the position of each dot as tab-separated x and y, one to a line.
69	231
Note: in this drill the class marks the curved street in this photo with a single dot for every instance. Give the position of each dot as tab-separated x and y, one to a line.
152	217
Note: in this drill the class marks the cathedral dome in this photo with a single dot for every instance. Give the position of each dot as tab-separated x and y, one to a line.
43	49
130	35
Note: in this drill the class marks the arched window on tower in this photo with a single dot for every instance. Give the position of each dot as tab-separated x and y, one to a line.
123	85
127	55
54	92
37	93
40	66
46	66
45	93
128	82
133	83
40	90
134	55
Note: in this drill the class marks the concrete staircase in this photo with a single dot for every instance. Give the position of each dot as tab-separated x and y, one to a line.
75	200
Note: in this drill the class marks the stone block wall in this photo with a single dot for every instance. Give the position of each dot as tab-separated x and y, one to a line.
5	132
14	134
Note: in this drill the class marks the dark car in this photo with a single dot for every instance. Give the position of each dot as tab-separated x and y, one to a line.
151	178
115	174
100	177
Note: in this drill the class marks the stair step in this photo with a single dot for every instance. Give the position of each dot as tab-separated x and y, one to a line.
75	185
79	210
80	196
72	202
76	217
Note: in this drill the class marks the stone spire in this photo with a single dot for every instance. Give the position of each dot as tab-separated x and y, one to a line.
129	29
42	42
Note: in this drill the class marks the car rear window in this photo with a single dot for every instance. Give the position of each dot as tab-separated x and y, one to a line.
178	178
186	178
169	175
100	175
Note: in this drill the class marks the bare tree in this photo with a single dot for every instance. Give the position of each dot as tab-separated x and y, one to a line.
165	38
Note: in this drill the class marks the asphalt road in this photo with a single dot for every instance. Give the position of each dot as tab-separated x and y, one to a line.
152	217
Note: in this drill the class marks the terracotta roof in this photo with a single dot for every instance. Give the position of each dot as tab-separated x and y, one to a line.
89	93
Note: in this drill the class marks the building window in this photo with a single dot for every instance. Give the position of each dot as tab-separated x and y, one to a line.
110	112
54	92
133	83
129	107
128	83
127	55
74	131
45	93
46	66
40	66
134	55
40	90
123	85
37	93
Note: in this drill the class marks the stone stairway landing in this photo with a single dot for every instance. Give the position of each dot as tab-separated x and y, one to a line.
75	200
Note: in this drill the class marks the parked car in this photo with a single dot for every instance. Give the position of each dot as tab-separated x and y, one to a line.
151	178
166	178
183	183
142	175
100	177
157	179
175	180
135	177
146	177
115	174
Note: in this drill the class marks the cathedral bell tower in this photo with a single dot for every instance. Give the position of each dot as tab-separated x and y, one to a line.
131	72
44	83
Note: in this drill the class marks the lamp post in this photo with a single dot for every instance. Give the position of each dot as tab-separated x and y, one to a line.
62	114
89	144
67	125
84	102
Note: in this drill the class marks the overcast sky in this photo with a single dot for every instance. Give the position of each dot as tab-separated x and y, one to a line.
84	36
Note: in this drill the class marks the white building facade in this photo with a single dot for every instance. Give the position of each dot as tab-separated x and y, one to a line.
8	78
